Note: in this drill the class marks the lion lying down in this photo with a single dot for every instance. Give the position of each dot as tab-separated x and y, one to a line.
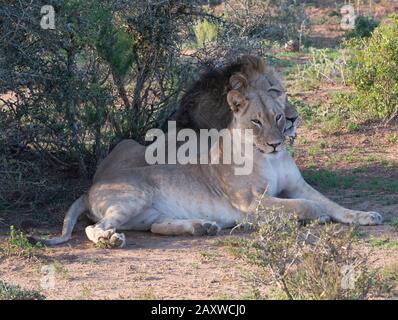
201	199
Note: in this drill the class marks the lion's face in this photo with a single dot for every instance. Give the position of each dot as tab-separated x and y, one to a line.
268	82
258	110
204	105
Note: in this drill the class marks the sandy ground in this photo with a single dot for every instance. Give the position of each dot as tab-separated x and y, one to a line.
150	267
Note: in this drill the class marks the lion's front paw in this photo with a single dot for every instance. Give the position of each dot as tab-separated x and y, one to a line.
206	228
111	239
211	228
369	218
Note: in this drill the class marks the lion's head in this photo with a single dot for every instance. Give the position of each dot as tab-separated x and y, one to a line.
204	105
259	111
269	82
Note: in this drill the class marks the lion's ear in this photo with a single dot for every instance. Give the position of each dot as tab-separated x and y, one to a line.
236	100
238	81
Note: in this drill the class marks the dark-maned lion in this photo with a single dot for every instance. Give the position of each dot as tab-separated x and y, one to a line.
204	106
197	199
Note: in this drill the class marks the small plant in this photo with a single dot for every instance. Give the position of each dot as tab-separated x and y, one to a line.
307	262
15	292
62	270
253	294
394	224
206	256
85	293
19	245
392	138
387	281
384	243
332	124
326	66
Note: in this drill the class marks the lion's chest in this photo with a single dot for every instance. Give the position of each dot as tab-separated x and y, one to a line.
278	172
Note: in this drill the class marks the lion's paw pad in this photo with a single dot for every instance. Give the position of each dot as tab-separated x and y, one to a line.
206	228
211	228
111	239
370	218
118	240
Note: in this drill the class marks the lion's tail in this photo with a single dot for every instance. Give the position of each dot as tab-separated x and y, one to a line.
75	210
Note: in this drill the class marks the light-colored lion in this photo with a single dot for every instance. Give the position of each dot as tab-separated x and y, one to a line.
201	199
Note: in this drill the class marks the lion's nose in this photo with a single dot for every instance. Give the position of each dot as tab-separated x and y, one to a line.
292	119
274	145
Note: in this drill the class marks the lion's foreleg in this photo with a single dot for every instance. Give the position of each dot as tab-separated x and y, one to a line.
302	190
304	209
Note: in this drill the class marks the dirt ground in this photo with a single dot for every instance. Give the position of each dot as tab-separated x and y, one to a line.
159	267
187	267
150	267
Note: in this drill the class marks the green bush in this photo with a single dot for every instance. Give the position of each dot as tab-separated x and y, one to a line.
374	76
14	292
364	27
19	245
205	31
109	70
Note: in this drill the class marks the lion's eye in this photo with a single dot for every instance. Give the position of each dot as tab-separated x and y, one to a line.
278	117
257	122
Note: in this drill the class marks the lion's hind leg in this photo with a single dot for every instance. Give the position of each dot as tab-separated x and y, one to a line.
104	231
175	227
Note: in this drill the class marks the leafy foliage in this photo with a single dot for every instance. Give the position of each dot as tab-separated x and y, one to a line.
374	77
19	245
14	292
364	27
205	31
69	85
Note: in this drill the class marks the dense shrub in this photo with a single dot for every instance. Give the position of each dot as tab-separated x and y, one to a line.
364	27
280	20
374	77
109	69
